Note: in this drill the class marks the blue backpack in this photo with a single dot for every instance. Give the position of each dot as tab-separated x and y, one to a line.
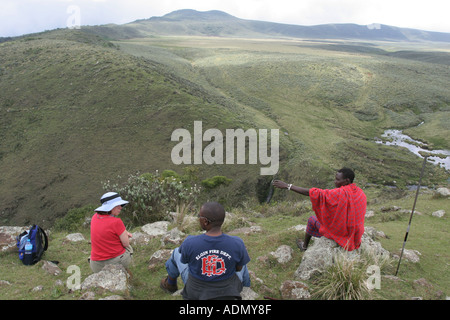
38	239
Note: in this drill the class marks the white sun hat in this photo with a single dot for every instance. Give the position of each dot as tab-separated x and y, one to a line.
110	200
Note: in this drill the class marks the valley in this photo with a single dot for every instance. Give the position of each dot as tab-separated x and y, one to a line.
80	107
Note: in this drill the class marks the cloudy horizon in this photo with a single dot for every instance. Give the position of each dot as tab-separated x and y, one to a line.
31	16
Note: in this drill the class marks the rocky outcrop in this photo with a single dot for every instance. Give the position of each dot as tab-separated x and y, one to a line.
320	255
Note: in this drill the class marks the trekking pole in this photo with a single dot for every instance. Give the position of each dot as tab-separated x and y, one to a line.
412	213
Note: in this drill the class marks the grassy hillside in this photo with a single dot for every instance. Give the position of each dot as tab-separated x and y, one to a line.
77	110
75	114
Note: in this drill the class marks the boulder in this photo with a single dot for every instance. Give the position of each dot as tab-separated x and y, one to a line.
283	254
51	268
8	236
156	229
411	255
442	192
317	258
113	277
140	238
174	236
294	290
159	258
75	237
4	283
439	213
300	227
370	213
369	244
248	294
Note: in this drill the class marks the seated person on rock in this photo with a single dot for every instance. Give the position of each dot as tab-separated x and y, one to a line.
212	265
339	212
110	243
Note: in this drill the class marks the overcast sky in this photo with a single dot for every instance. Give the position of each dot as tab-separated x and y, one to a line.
19	17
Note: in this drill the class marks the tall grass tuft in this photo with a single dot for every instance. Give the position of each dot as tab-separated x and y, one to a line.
346	278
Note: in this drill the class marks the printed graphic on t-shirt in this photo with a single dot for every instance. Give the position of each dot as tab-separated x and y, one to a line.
212	263
213	266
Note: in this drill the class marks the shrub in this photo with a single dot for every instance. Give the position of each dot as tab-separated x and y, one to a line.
215	181
153	196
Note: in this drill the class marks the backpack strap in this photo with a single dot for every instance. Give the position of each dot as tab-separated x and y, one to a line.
45	238
31	231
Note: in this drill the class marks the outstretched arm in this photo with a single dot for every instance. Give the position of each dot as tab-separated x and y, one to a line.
283	185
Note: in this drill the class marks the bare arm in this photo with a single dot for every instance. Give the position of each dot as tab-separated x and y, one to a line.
283	185
125	238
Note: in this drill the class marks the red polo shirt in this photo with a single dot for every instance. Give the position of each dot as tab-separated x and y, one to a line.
105	237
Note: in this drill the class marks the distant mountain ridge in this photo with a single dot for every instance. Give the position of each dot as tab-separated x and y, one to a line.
218	23
188	22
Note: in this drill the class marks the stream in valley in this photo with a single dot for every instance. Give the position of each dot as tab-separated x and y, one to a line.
397	138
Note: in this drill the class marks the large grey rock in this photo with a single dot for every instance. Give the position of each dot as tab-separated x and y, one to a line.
159	258
75	237
317	258
51	268
112	277
283	254
439	213
294	290
8	236
443	192
156	229
174	236
248	294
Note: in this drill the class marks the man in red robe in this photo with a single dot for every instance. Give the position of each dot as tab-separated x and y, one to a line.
339	212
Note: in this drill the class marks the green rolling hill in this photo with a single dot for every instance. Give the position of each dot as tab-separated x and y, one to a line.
79	107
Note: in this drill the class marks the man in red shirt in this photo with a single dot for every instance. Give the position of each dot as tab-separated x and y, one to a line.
339	212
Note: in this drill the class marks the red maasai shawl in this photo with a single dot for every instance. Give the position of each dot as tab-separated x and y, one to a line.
341	214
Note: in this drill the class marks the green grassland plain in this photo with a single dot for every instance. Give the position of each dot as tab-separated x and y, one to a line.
78	109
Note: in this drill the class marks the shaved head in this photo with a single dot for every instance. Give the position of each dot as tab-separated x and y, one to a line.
214	212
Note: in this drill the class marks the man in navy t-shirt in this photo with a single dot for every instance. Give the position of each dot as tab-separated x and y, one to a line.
212	265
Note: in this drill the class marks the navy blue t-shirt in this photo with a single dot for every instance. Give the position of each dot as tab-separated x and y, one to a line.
213	258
